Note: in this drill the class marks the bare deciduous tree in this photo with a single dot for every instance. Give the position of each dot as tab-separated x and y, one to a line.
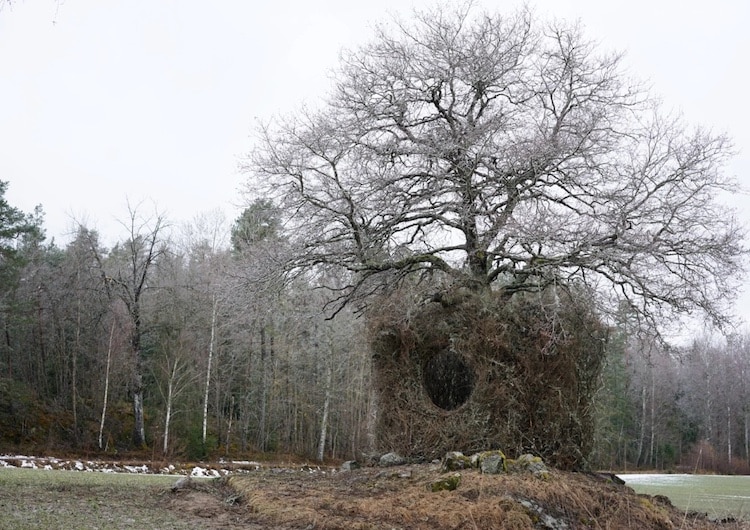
125	277
505	152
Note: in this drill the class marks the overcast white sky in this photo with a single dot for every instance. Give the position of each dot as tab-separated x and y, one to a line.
104	100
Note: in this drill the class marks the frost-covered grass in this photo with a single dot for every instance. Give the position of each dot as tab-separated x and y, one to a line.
35	498
719	496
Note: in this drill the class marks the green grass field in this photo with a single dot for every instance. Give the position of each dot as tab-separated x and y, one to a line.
65	500
719	496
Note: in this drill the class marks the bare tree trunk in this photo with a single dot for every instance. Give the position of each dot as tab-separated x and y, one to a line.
708	401
139	428
170	396
229	426
372	421
264	391
642	435
208	369
106	383
654	462
74	367
747	437
326	408
729	435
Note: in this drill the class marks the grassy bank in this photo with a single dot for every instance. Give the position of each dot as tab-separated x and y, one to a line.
300	497
64	500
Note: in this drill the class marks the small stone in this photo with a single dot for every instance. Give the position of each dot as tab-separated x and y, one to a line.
182	483
455	460
350	465
448	483
391	459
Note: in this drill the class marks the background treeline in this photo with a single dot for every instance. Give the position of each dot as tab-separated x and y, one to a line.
232	359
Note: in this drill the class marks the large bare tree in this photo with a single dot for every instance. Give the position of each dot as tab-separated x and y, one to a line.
125	276
504	152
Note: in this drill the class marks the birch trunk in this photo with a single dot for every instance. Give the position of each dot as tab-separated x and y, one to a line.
208	369
168	414
326	408
106	384
652	444
642	435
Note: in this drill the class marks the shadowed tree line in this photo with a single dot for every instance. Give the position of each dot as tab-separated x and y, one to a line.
181	340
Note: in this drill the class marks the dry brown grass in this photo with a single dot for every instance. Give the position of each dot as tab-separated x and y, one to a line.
374	498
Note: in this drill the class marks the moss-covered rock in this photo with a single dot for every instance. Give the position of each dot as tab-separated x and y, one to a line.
530	464
455	460
491	462
448	483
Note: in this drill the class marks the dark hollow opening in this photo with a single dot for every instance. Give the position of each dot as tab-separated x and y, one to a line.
448	380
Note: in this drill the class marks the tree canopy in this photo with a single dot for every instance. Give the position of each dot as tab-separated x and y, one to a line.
504	152
17	229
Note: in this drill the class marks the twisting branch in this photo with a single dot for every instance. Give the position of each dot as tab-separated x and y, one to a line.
503	153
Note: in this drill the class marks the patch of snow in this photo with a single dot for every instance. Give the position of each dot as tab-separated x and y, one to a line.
50	463
202	472
137	469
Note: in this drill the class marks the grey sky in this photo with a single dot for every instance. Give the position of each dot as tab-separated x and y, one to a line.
156	99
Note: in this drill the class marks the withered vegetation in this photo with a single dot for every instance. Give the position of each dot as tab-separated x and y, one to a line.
478	372
373	498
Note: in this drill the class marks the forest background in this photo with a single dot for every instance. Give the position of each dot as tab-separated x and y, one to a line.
238	362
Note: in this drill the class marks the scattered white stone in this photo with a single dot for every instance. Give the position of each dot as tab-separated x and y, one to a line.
391	459
198	472
257	465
